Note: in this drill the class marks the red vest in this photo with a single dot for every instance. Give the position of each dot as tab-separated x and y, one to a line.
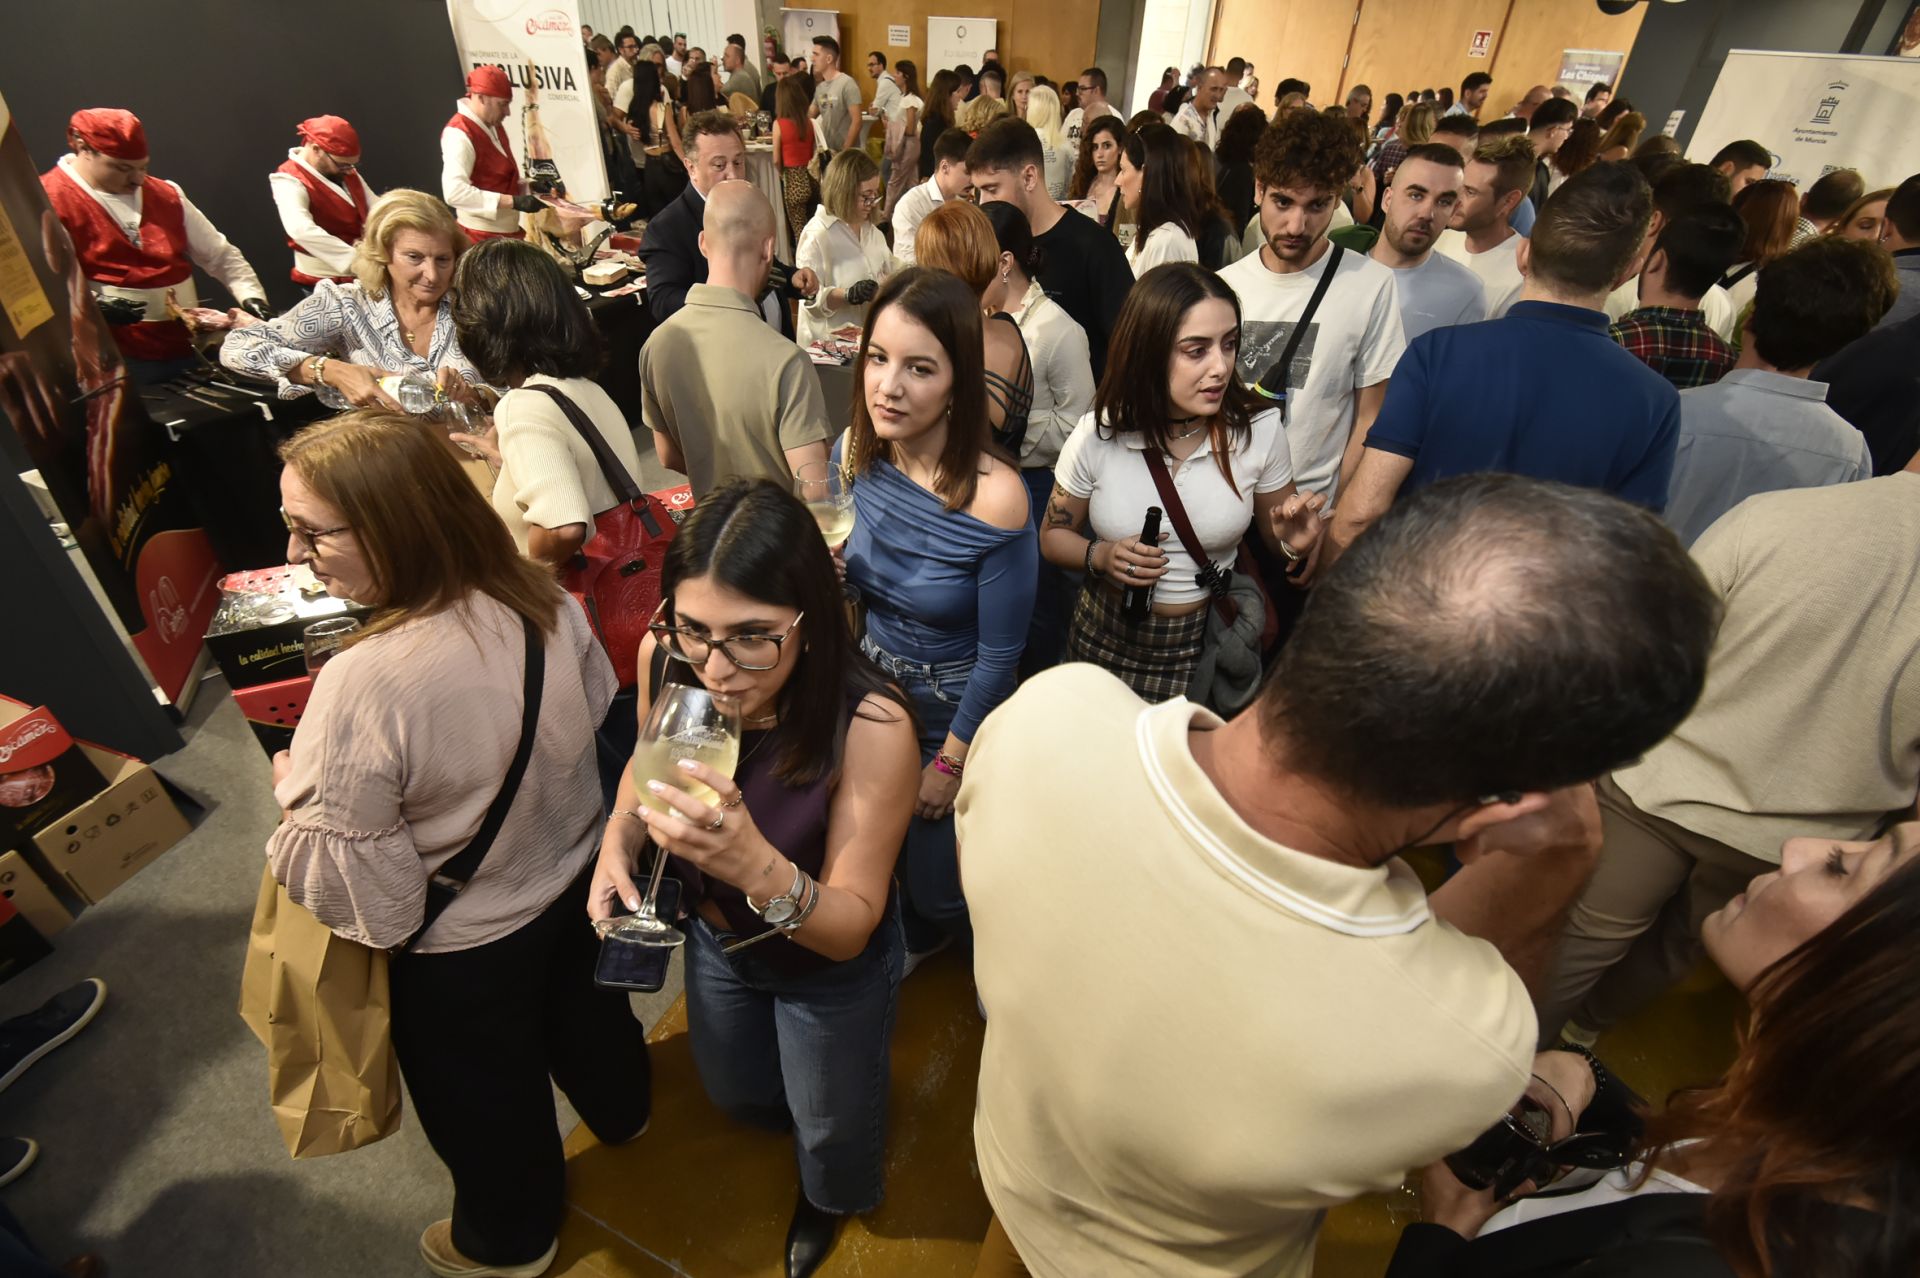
493	166
330	213
109	257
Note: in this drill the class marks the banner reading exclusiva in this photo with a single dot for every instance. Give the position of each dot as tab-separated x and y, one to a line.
537	43
64	390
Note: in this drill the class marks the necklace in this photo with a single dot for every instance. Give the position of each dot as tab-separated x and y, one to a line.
1188	434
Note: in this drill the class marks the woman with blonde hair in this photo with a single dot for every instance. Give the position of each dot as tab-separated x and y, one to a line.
1413	126
958	238
396	317
973	117
467	704
1043	113
1020	93
843	248
1861	221
1623	136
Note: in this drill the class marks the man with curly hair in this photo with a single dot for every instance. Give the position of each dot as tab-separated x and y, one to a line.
1332	387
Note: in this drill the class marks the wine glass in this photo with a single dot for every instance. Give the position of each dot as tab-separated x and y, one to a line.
686	722
322	640
827	490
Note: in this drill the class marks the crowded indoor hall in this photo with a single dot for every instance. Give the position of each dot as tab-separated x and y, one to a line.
1124	639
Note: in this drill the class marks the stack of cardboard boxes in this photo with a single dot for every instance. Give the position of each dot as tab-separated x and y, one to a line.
76	821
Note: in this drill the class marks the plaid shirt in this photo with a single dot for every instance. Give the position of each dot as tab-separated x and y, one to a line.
1674	343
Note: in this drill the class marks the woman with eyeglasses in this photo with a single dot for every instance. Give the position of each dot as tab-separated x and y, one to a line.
791	1029
843	248
1801	1160
407	739
942	556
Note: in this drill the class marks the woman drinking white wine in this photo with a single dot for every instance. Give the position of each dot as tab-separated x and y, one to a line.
789	862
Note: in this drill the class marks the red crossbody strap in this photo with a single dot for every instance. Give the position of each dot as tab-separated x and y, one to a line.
1183	527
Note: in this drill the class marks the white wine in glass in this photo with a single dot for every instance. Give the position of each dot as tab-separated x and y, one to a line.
827	490
685	722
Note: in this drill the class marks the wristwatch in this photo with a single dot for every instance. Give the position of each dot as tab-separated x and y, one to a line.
780	910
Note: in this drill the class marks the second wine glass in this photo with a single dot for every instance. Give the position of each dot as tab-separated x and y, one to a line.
827	490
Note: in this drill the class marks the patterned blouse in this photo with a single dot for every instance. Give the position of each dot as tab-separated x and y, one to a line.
342	321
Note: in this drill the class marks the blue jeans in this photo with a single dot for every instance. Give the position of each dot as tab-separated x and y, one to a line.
809	1052
934	906
1053	592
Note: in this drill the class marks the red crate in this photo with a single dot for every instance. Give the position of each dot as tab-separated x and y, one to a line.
277	705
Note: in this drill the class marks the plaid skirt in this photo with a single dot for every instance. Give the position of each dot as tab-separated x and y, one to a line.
1156	658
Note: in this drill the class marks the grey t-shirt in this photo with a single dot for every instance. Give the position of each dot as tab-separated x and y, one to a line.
839	101
1438	292
743	81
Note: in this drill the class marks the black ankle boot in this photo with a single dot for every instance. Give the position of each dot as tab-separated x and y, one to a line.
809	1238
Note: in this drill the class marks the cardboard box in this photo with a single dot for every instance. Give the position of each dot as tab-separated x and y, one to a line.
105	841
30	895
43	772
20	946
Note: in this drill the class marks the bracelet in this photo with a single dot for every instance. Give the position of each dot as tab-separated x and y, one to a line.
792	925
1586	1054
944	762
319	370
624	812
1091	547
1287	552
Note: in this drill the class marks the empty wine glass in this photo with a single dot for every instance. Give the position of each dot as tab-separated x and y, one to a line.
322	640
686	722
827	490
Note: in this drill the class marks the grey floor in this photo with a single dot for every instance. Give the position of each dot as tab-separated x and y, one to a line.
157	1147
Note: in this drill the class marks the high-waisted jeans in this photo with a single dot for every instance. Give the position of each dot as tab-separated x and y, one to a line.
807	1051
929	868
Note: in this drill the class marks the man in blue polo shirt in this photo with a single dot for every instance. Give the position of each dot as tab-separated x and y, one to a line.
1543	391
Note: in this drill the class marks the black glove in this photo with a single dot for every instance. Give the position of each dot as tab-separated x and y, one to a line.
123	310
257	307
541	185
527	204
862	293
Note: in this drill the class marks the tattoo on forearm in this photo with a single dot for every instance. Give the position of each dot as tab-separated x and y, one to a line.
1057	514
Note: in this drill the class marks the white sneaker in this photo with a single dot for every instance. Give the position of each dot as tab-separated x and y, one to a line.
916	957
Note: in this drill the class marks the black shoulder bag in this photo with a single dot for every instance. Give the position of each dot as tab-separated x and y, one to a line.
451	879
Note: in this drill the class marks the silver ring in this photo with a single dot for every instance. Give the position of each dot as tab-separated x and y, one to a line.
719	819
1128	569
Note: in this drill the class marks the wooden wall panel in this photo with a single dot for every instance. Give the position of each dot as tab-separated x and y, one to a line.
1305	39
1054	39
1540	30
1394	51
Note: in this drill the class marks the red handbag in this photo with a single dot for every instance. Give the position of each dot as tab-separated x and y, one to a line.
616	574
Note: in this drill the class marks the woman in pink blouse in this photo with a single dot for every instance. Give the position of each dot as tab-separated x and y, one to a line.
405	743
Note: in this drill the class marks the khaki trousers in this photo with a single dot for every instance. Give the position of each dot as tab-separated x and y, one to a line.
1635	932
998	1259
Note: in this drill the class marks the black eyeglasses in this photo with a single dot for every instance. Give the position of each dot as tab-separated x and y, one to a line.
310	537
749	652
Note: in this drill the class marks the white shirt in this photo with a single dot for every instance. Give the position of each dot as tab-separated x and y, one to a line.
206	247
1110	473
887	97
1189	123
1616	1186
1498	267
548	475
1166	243
1235	98
674	64
319	254
1062	376
841	255
1437	293
477	209
1077	119
1743	289
345	322
1354	341
619	72
909	213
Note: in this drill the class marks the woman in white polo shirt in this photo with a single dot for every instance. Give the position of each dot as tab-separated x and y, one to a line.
1226	459
1156	185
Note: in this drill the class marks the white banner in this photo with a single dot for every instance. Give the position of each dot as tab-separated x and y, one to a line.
537	43
1816	112
798	27
952	42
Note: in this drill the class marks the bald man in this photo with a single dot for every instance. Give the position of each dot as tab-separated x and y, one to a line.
762	415
1525	107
